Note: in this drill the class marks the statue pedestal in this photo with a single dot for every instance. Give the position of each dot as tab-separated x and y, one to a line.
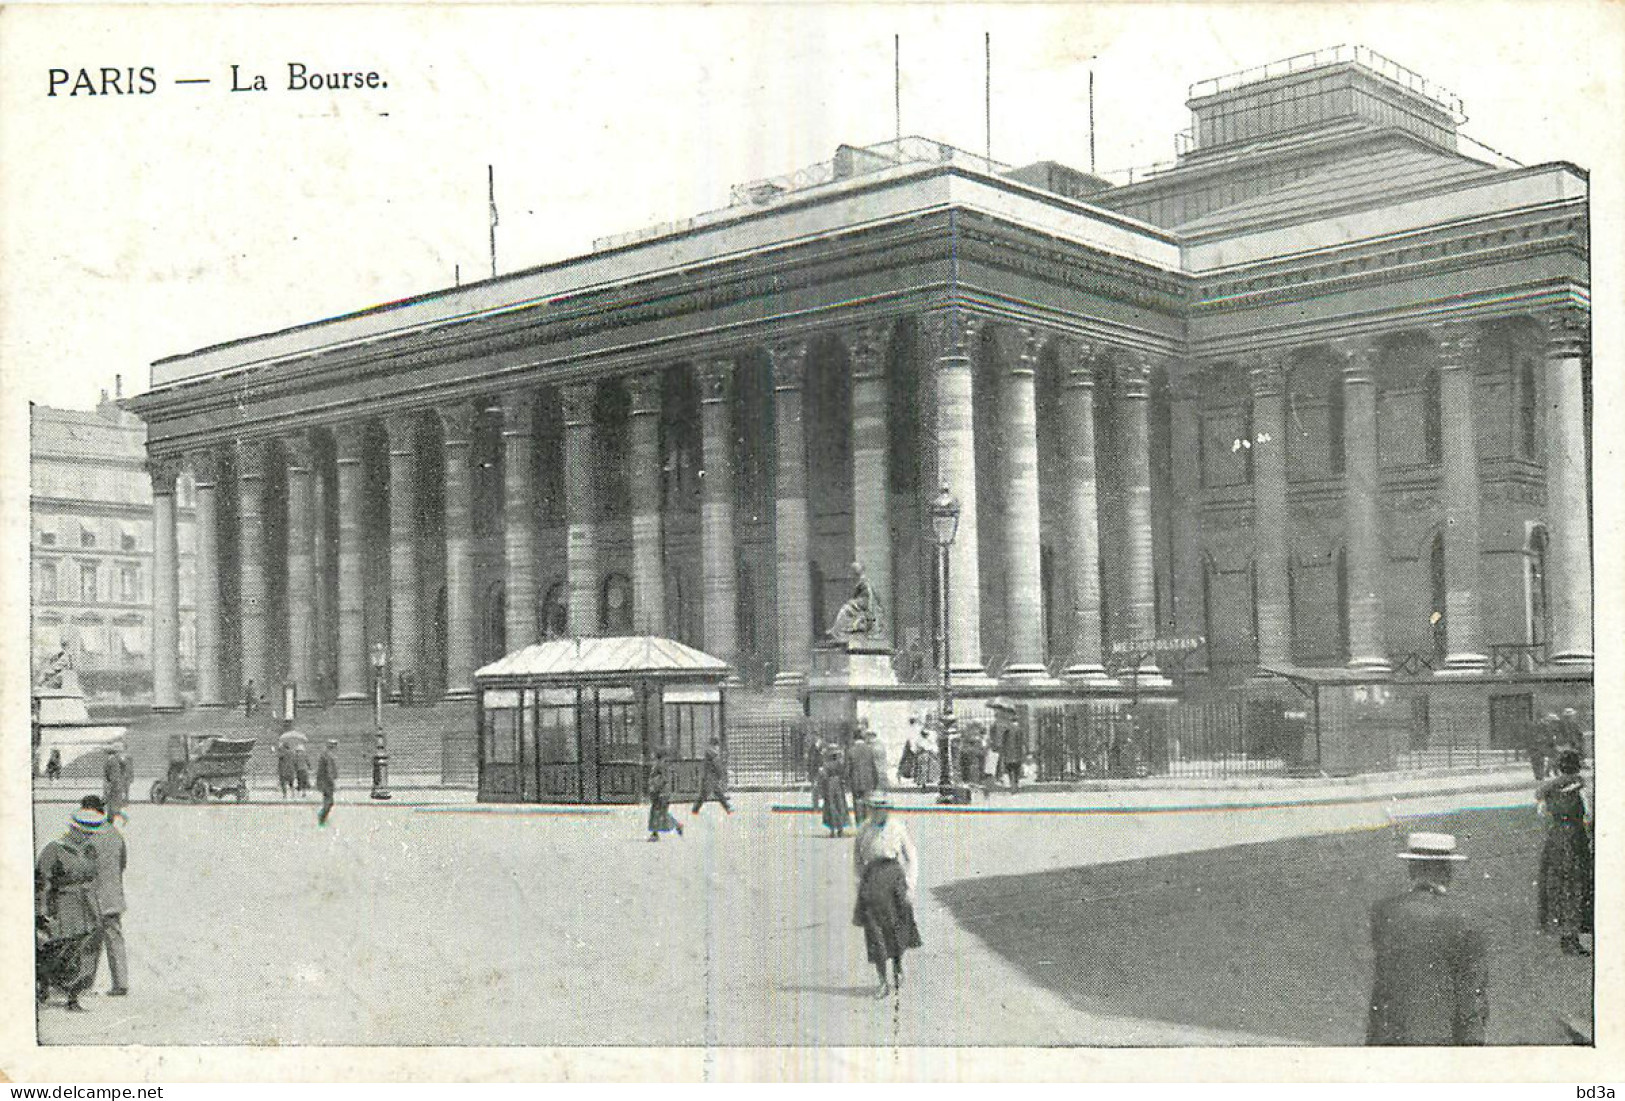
852	665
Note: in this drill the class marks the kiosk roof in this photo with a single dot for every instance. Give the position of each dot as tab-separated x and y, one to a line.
568	658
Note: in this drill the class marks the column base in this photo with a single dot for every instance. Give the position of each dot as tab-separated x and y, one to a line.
1374	666
1463	665
353	698
1023	671
1146	676
453	695
788	682
971	676
1574	659
168	708
215	705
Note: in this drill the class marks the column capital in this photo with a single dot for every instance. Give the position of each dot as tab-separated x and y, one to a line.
1568	331
1028	342
163	469
715	376
1079	363
1457	340
576	399
300	451
518	411
204	463
1266	376
1131	374
348	439
867	345
250	458
788	362
457	422
401	428
644	390
1359	355
951	329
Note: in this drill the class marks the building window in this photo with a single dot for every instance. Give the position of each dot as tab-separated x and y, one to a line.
126	541
47	580
87	538
1539	620
87	583
1432	418
47	538
1528	410
129	584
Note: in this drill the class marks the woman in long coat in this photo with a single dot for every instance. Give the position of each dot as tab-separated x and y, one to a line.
888	871
832	788
661	819
67	914
1566	867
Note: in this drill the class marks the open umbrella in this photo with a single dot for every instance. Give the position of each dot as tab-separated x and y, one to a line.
291	739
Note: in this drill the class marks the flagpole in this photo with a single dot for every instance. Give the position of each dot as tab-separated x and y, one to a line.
491	189
897	84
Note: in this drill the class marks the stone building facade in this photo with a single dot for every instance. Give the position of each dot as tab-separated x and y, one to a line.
1315	395
91	552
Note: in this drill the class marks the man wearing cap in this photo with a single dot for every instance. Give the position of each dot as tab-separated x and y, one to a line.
1432	976
111	859
67	910
327	780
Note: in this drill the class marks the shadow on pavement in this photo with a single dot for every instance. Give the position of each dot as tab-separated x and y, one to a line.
1272	939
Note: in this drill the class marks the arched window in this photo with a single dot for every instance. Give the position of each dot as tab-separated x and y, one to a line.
493	623
1437	578
1538	612
553	613
615	605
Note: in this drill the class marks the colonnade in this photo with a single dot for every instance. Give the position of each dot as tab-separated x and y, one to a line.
949	341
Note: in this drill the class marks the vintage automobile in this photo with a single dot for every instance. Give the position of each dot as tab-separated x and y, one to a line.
202	766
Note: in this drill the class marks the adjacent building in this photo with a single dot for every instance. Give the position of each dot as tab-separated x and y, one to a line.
1313	396
91	551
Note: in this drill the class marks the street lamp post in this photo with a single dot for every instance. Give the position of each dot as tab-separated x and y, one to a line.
380	758
944	526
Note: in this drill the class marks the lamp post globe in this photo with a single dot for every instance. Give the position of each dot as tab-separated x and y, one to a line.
944	527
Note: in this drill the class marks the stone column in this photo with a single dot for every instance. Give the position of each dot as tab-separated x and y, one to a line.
205	469
648	528
1023	540
458	423
1459	491
301	572
1133	378
354	662
518	521
1270	546
251	563
1185	427
1362	485
405	640
790	525
1568	499
1082	518
718	564
580	507
166	613
871	471
952	333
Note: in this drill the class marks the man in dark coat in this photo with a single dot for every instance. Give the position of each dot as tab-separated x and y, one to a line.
1009	740
862	777
713	777
327	780
115	782
111	859
658	786
1432	977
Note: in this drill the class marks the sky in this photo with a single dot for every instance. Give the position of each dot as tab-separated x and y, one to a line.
141	226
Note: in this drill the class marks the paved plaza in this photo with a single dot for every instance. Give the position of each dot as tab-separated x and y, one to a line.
450	923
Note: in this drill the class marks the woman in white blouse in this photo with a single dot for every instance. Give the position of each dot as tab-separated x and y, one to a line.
888	871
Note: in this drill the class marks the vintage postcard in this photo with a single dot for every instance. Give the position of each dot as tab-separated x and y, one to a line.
769	541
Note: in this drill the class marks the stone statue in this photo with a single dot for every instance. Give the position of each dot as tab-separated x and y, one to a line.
59	664
861	614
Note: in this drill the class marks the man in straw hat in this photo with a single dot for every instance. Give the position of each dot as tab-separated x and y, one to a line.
67	910
1432	977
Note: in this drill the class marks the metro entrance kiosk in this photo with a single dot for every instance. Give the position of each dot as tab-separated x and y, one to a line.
576	720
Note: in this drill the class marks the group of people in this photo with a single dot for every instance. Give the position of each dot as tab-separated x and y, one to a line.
79	907
657	786
1431	982
986	753
846	779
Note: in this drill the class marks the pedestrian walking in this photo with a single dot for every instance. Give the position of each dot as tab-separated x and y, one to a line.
116	778
67	911
1010	739
251	698
1431	983
1543	745
111	859
657	785
53	764
713	776
972	753
832	788
862	776
327	780
1567	870
1569	735
301	768
815	768
286	779
887	870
